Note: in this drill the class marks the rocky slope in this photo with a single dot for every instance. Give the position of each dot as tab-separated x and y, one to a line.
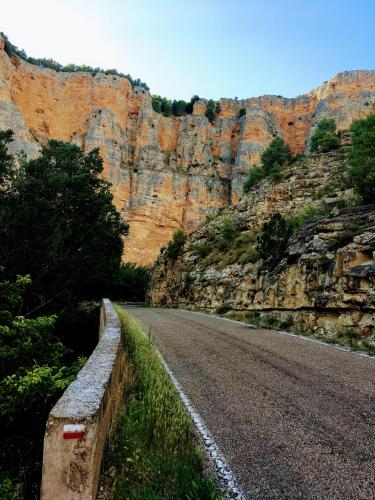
325	281
166	172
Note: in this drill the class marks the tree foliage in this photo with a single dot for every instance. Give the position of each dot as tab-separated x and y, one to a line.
176	245
273	158
210	110
58	224
11	49
173	108
130	283
33	375
362	158
325	138
255	175
273	238
227	229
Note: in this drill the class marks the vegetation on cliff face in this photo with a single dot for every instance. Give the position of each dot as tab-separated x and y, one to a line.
299	250
273	158
153	451
167	107
362	169
176	245
11	49
325	138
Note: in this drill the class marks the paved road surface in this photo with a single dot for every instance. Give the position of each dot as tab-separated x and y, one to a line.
293	418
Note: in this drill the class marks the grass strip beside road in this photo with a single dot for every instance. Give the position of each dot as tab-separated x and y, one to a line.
153	452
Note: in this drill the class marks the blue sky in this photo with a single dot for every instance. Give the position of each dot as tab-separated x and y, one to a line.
210	48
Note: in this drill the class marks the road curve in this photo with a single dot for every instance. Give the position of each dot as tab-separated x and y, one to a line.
294	419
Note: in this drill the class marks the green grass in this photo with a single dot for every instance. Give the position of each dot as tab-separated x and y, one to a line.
153	452
224	252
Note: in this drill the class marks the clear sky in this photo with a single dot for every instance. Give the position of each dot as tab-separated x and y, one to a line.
212	48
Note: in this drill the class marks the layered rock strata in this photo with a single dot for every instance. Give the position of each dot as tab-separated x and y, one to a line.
166	173
325	281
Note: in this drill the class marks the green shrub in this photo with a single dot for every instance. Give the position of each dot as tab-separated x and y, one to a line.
130	283
256	174
275	156
33	376
58	224
176	245
242	112
325	138
209	218
223	251
202	249
227	229
210	110
305	214
273	239
361	172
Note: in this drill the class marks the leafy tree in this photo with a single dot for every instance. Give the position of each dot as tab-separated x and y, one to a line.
166	107
227	229
7	170
362	158
130	283
179	107
176	245
59	225
210	110
32	378
275	156
325	138
190	106
156	104
256	174
273	238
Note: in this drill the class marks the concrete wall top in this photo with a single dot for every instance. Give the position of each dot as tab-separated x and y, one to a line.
83	398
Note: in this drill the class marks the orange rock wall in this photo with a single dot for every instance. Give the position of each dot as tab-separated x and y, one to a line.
166	173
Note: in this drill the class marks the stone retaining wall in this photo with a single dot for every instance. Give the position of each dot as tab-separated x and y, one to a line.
79	423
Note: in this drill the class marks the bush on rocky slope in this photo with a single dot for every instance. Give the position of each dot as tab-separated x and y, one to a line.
275	156
325	138
362	158
176	245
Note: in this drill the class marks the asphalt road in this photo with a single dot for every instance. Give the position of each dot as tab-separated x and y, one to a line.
294	419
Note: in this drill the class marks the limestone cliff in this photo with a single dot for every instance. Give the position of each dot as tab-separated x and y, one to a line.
325	280
166	173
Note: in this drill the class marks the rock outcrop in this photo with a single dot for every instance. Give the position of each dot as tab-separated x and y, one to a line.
166	173
325	280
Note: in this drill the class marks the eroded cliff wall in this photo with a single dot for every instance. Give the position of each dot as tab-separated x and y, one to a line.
324	283
166	173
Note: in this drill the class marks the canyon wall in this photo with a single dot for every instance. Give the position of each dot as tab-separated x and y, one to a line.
166	173
324	282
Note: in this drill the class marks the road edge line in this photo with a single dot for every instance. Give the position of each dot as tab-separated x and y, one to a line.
281	332
225	476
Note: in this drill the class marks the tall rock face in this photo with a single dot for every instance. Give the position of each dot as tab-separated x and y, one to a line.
166	173
324	280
